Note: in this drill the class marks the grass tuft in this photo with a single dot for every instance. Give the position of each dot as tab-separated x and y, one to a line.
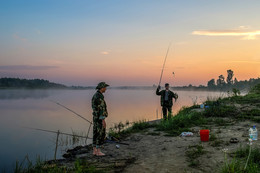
193	153
80	166
238	162
136	127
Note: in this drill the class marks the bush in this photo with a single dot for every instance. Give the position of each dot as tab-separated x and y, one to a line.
136	127
220	111
185	119
255	89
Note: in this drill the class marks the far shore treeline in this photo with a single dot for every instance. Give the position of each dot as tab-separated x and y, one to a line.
16	83
221	84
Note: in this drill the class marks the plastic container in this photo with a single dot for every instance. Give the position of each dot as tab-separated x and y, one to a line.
250	133
253	134
202	106
183	134
204	135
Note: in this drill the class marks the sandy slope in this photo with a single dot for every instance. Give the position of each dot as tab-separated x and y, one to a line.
167	154
158	153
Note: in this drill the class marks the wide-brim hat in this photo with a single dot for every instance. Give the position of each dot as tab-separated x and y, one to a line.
101	85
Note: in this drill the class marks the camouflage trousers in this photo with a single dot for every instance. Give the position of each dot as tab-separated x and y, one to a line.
99	133
166	109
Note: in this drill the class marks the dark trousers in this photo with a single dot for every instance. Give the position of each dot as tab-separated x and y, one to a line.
166	109
99	133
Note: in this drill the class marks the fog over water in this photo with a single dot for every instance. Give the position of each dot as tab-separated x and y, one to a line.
33	108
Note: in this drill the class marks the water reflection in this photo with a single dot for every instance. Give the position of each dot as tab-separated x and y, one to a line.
25	94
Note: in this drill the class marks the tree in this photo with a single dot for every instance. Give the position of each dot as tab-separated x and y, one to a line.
221	80
230	75
235	81
28	83
211	83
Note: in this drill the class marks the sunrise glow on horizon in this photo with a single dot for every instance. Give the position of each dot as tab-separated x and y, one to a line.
125	42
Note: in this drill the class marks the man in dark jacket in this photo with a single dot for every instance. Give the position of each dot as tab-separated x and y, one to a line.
99	114
166	100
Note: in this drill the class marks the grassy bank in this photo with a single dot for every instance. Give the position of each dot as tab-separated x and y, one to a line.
40	166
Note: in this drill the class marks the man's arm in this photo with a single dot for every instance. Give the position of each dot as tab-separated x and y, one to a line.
175	95
103	109
158	92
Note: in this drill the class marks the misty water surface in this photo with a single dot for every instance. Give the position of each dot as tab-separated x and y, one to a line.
33	108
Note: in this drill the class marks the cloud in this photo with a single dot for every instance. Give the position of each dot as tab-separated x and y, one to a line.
26	67
247	62
38	31
104	53
17	37
241	31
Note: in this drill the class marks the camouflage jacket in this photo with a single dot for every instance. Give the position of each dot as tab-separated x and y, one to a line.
170	97
99	106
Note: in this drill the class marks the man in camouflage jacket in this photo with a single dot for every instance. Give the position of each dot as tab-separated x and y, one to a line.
99	114
166	100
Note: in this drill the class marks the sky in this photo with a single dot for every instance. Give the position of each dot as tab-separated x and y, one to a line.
122	42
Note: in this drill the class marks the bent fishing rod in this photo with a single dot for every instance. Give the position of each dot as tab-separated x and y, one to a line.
51	131
73	135
75	114
164	63
78	116
71	111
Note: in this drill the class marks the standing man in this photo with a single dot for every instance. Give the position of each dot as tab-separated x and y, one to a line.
99	114
166	100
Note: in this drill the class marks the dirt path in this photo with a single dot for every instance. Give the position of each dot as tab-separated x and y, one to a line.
167	154
152	151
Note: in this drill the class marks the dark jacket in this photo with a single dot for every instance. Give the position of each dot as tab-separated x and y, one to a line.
170	97
99	106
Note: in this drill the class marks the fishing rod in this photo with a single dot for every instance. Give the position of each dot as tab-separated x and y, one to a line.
164	63
75	114
68	134
51	131
71	111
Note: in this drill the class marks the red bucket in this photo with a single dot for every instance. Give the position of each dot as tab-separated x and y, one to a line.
204	135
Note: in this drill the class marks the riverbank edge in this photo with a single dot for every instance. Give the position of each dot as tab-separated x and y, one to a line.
229	108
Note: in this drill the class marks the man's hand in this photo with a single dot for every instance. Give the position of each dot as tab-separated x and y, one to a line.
159	87
104	123
176	97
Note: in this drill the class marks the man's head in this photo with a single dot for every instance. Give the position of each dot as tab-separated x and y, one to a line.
102	86
167	86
